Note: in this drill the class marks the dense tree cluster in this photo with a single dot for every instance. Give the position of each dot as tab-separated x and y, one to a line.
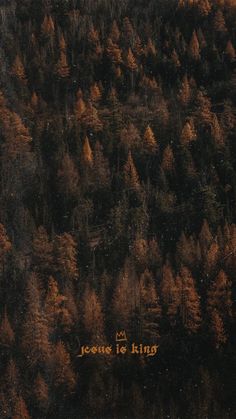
117	207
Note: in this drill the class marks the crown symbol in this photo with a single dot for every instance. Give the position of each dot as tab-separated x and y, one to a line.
121	336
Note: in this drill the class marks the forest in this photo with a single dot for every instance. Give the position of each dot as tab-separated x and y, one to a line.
117	208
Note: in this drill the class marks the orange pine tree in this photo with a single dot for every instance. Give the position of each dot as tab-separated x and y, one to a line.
115	33
230	51
63	376
188	134
130	137
150	143
169	293
5	244
150	310
68	177
65	249
18	69
216	132
41	392
35	337
87	156
168	160
194	47
150	48
101	167
189	308
95	93
130	174
114	52
42	250
48	26
131	62
185	92
62	68
7	336
93	317
220	296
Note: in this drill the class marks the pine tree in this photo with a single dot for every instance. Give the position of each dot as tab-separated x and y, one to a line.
188	134
230	51
4	111
204	7
65	249
216	132
185	92
62	68
229	247
67	177
138	48
90	118
93	317
130	174
118	72
11	387
20	410
168	160
96	388
150	310
217	329
101	167
87	156
175	59
219	22
7	336
70	307
125	296
150	48
34	338
205	237
131	62
162	112
154	254
212	257
169	293
18	69
95	94
114	113
130	137
93	35
150	143
41	392
128	29
140	253
114	52
63	375
5	244
18	138
80	109
149	84
115	33
62	43
47	26
201	39
228	118
203	112
188	251
11	380
220	297
194	47
34	100
42	251
53	306
189	309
